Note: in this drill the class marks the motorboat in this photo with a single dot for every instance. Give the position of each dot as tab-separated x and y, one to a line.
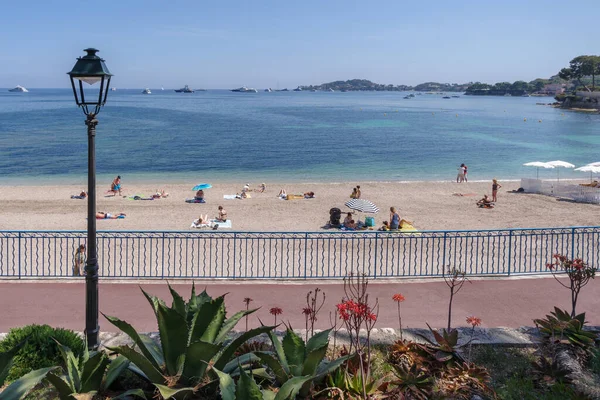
146	91
245	89
185	89
269	90
19	89
331	90
113	89
298	89
407	97
456	97
446	97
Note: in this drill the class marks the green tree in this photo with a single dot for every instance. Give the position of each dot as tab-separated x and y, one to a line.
580	67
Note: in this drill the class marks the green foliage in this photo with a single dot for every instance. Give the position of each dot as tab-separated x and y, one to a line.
19	388
193	335
412	382
352	386
580	67
549	372
88	374
445	346
40	350
594	361
523	388
561	327
293	358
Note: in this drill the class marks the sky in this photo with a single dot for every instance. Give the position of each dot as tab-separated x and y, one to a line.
210	44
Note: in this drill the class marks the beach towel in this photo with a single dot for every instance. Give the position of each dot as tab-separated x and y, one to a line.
226	224
230	196
138	197
194	201
294	196
78	197
407	227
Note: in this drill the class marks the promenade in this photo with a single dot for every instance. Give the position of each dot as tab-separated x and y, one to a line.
499	302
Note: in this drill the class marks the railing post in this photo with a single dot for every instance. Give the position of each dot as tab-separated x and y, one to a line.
234	252
509	249
162	274
19	244
572	243
305	252
444	254
375	267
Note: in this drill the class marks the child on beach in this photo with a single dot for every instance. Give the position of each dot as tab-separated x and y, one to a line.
79	260
115	187
354	194
385	226
495	187
222	217
262	188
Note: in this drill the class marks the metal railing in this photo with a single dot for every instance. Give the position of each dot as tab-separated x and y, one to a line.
294	255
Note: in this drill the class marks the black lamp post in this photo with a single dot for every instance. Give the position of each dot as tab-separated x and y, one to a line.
91	69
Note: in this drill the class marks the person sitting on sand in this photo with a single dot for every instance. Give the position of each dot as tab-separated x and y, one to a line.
222	217
115	186
262	188
385	226
245	195
354	194
485	202
358	193
309	195
105	215
199	195
282	194
350	225
80	196
394	218
348	218
160	194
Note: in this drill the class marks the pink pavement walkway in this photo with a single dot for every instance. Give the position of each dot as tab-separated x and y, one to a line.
498	302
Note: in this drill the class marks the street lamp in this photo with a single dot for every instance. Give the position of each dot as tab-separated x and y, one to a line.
91	69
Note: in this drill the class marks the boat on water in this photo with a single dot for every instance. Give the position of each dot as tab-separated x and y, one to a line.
526	95
146	91
331	90
456	97
113	89
18	89
407	97
269	90
298	89
185	89
507	95
245	89
446	97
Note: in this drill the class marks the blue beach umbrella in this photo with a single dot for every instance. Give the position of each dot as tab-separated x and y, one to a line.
202	186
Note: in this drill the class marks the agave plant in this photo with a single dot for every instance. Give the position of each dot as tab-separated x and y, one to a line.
405	353
412	383
464	381
549	371
351	386
445	346
193	337
293	358
246	388
559	324
88	374
19	388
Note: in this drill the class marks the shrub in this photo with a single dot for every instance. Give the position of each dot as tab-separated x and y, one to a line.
40	350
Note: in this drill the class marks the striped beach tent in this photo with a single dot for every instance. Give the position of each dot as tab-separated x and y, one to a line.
362	205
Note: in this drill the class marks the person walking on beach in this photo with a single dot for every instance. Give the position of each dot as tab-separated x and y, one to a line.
79	260
495	187
394	218
461	174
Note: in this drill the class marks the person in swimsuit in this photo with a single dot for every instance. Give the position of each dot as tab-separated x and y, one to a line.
199	195
354	194
465	172
105	215
115	187
461	174
495	187
222	217
358	193
348	219
394	218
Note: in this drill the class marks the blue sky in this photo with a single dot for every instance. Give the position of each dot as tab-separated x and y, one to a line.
287	43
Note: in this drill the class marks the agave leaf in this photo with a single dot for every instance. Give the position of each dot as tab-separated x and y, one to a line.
230	323
318	340
329	367
226	385
6	361
215	324
203	317
153	300
313	359
114	370
279	351
261	373
242	360
580	318
153	348
153	374
294	349
452	337
63	387
178	302
197	357
290	389
137	339
274	364
246	388
19	388
74	378
268	395
172	328
133	392
227	353
93	372
171	393
443	356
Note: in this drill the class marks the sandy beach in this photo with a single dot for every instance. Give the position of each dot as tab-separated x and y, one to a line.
429	205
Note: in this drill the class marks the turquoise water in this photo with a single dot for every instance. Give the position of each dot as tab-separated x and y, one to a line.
305	136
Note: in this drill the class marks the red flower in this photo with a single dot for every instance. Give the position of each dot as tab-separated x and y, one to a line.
549	266
276	311
247	300
473	321
372	317
398	298
307	311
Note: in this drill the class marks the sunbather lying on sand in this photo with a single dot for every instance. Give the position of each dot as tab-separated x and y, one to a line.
105	215
593	184
309	195
80	196
160	194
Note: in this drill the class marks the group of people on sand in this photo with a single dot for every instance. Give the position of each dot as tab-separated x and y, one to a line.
284	196
356	193
462	174
394	221
486	202
203	220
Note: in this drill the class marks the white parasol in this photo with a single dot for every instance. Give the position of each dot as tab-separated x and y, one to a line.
538	165
362	206
594	164
561	164
589	168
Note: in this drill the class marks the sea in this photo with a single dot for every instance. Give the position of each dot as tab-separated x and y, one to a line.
218	135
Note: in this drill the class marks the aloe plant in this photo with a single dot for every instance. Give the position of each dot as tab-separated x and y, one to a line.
293	358
567	329
193	336
444	348
20	387
90	373
246	388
